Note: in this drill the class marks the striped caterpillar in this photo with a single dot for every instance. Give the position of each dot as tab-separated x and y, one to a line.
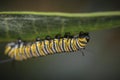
29	25
23	50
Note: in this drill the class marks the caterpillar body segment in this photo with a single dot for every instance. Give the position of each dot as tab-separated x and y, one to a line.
23	50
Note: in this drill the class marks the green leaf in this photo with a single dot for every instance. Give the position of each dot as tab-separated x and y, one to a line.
29	25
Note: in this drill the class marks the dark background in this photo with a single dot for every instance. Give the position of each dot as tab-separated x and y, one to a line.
102	55
60	5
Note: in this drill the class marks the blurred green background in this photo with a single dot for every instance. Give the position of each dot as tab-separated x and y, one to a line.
102	55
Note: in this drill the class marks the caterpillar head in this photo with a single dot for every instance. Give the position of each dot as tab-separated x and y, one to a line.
85	36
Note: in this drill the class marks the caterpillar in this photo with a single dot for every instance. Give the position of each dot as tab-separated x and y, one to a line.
29	25
21	50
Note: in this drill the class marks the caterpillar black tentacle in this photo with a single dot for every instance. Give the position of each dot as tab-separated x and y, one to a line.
21	50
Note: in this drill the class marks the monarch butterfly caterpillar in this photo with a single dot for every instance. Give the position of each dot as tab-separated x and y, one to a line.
23	50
